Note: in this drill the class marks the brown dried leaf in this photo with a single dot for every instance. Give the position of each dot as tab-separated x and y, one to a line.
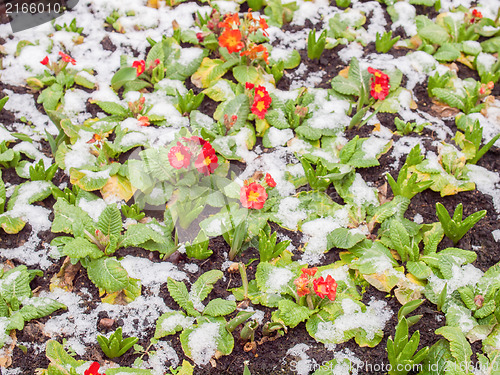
443	110
64	278
6	356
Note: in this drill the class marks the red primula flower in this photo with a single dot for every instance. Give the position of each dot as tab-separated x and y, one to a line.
231	39
93	369
476	14
194	141
260	105
302	284
179	157
45	60
140	66
207	161
143	120
67	58
230	21
261	91
249	85
379	88
270	180
325	288
253	196
309	271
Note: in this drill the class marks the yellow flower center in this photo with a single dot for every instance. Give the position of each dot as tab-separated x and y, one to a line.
207	161
261	106
253	196
378	88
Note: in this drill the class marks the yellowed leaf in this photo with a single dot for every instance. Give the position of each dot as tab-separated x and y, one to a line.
153	4
344	72
6	356
64	278
117	188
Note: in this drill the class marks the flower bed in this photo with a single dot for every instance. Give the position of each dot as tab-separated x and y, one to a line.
196	188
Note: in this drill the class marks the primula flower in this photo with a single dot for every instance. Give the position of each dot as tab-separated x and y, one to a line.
194	141
230	21
231	39
45	60
325	288
253	195
476	14
270	180
140	66
309	271
67	58
253	52
207	161
249	85
302	284
260	105
263	26
261	91
379	88
93	369
143	120
179	157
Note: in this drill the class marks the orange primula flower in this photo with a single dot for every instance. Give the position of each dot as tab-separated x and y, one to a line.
230	21
302	284
253	52
231	39
263	26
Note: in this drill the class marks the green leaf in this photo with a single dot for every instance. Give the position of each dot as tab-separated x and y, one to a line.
112	108
200	353
38	307
449	97
67	217
238	106
59	358
447	52
123	76
156	52
343	238
178	291
293	314
30	192
14	285
11	224
419	269
244	74
110	221
399	238
219	307
459	347
107	274
204	285
171	322
431	31
83	81
79	248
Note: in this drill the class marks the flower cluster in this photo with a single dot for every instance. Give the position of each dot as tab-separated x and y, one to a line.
181	155
140	66
476	16
57	67
379	84
261	100
253	194
234	36
93	369
321	286
486	88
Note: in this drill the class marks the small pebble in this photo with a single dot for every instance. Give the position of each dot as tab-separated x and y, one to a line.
106	322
